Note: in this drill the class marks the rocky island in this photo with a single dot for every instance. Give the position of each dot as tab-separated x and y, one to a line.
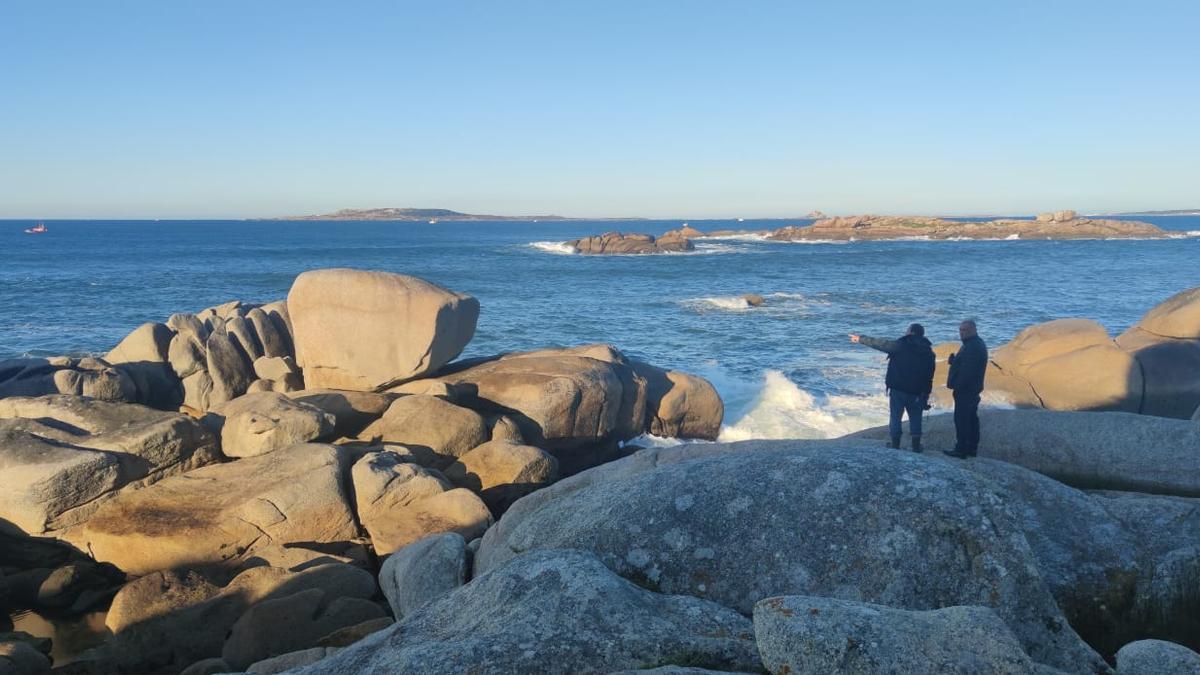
321	485
616	243
1056	225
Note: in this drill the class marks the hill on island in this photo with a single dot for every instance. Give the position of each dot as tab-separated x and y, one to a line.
414	215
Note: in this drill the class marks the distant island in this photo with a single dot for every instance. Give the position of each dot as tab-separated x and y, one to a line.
428	215
1175	212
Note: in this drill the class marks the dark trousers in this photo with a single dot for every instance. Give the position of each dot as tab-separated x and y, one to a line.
966	423
900	402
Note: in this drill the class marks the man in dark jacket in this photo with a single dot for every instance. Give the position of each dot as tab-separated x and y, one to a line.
909	379
967	369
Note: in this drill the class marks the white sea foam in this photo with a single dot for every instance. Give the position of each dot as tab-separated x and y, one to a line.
1013	237
781	409
747	236
731	303
1185	235
556	247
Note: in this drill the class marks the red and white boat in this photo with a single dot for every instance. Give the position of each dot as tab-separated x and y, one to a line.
37	229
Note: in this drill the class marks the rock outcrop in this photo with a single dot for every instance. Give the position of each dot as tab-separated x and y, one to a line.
424	571
224	513
616	243
400	503
61	456
256	424
553	607
1156	657
180	617
1072	364
89	377
834	519
1060	225
1102	451
362	330
434	429
501	472
814	636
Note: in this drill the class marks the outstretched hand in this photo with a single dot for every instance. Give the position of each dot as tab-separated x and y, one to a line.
854	338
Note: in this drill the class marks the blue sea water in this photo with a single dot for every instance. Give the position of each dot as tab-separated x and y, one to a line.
785	369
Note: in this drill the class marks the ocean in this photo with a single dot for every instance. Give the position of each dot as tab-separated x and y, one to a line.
785	369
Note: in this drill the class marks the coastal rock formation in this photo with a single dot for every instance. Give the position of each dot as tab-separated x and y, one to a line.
1086	450
180	617
616	243
362	330
1061	225
61	456
561	399
424	571
399	503
501	472
223	513
256	424
352	410
1072	364
51	576
18	657
680	405
88	376
281	625
815	636
1156	657
553	607
429	426
861	523
147	343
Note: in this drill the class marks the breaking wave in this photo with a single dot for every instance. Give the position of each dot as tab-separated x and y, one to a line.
555	247
778	408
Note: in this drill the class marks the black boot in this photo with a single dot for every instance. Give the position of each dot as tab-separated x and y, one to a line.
916	440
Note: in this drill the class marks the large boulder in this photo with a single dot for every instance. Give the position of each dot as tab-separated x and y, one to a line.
1177	317
282	625
423	571
179	617
815	636
561	610
617	243
740	522
502	472
148	342
442	430
61	455
1171	371
89	377
1156	657
1118	565
1089	450
399	503
362	330
352	410
256	424
566	401
49	575
1073	365
228	365
222	513
18	657
680	405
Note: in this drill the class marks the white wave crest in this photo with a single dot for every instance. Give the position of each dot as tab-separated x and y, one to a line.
731	303
781	409
1013	237
555	247
1190	234
747	236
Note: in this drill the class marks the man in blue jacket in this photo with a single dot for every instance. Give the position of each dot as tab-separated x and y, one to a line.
909	379
967	369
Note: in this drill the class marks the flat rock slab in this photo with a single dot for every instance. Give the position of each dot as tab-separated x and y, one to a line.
558	610
1087	450
217	513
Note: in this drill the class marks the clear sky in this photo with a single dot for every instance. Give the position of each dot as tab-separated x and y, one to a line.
164	109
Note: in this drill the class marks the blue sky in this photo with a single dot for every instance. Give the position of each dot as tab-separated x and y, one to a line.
651	108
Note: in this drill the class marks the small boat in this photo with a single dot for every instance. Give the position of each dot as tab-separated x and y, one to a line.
38	229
